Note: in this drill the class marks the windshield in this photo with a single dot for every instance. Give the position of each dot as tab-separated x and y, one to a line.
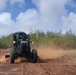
20	36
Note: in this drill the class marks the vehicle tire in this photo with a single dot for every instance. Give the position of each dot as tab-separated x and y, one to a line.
12	56
34	56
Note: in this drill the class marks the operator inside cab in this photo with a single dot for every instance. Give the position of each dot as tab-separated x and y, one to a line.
21	37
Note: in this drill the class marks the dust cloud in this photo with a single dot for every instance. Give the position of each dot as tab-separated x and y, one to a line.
46	52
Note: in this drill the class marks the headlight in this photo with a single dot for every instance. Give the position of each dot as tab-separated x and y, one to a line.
14	42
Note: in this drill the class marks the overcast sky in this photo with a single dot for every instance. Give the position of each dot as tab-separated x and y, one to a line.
26	15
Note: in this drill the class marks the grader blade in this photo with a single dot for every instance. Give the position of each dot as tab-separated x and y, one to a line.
7	56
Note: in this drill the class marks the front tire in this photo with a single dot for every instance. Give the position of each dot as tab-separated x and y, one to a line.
34	56
12	56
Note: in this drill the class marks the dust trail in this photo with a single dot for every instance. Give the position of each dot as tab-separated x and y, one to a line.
20	59
2	59
46	52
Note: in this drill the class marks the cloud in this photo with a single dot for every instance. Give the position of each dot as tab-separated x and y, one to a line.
55	16
48	15
27	20
6	24
18	2
51	10
72	3
69	22
24	22
3	4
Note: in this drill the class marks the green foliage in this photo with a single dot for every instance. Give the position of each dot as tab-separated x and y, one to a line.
6	42
67	40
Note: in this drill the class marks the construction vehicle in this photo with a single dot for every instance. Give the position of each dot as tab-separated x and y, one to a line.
22	48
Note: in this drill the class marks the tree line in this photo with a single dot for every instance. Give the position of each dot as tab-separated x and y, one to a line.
65	41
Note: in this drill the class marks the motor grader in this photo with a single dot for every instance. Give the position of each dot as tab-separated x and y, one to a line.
22	48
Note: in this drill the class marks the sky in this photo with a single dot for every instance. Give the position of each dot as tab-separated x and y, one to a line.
46	15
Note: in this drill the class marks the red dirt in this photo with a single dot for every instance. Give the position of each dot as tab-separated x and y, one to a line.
49	63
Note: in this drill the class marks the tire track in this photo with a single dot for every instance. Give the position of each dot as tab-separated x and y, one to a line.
37	69
46	69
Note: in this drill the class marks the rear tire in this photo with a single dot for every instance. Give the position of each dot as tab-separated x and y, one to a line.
12	56
34	56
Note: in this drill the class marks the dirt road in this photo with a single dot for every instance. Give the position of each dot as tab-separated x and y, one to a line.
55	66
38	69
